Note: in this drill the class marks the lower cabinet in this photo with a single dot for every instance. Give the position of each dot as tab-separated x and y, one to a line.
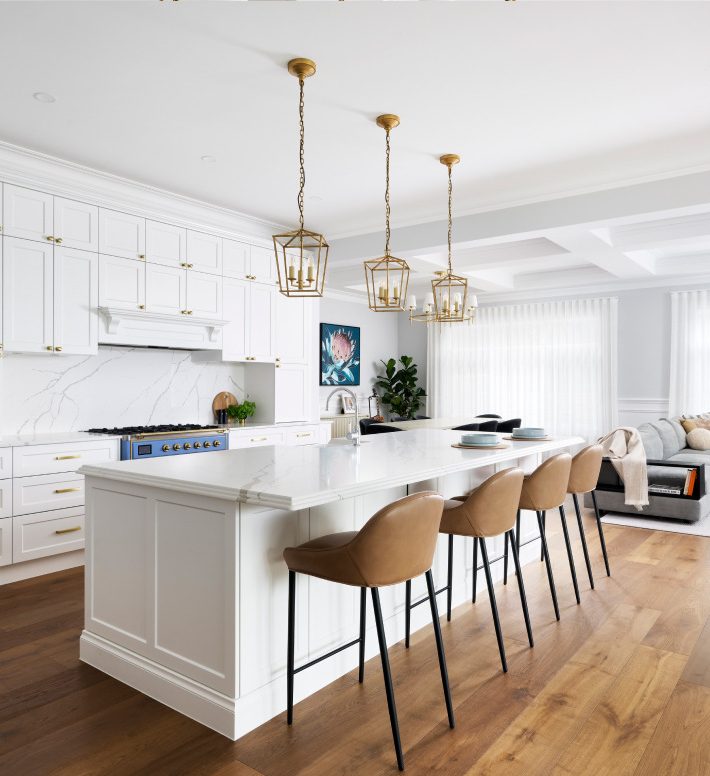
47	533
5	498
263	436
6	541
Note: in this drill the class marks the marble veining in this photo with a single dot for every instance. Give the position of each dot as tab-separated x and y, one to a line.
119	386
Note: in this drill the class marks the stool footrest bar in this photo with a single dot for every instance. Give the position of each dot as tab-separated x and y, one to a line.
326	656
422	600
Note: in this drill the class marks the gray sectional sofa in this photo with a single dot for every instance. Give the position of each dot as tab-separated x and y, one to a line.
665	445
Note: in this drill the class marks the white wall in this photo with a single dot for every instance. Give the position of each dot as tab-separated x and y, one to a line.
378	340
119	386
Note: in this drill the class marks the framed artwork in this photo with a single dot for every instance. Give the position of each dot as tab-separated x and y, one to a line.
348	404
339	354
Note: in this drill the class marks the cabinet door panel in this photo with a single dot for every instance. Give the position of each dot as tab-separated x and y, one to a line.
165	244
27	296
121	234
76	224
291	340
235	259
234	334
291	393
28	214
121	283
262	264
204	295
76	297
164	289
261	322
6	541
204	252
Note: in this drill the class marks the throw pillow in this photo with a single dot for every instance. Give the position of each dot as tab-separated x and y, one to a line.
690	423
699	439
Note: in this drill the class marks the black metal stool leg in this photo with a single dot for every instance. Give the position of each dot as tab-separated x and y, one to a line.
601	533
389	689
546	556
440	647
450	578
521	586
407	611
570	556
505	561
363	628
494	607
585	549
291	642
542	531
517	531
475	568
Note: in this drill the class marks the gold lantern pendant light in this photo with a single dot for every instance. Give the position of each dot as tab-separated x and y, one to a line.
450	291
301	255
387	278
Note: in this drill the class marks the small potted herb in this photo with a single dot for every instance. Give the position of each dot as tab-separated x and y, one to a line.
240	412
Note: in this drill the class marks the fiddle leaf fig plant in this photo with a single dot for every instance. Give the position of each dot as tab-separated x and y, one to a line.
400	390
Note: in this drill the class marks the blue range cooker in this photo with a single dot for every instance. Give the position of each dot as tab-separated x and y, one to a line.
159	441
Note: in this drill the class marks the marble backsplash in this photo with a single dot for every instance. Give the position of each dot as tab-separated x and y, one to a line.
120	386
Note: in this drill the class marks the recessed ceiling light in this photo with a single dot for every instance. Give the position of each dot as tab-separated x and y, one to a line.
207	159
44	97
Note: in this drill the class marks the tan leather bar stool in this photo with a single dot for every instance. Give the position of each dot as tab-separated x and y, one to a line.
583	478
395	545
546	488
487	511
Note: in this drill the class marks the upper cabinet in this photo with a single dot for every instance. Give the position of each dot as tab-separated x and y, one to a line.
121	283
76	292
28	214
204	252
76	224
121	234
165	244
293	316
248	262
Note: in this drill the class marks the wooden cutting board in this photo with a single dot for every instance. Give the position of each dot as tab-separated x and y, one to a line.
223	400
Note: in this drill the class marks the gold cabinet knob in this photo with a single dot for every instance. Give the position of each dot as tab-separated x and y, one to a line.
49	238
141	307
184	264
189	312
141	255
190	266
58	240
58	348
49	347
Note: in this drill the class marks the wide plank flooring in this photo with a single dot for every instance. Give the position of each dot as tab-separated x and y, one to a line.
620	686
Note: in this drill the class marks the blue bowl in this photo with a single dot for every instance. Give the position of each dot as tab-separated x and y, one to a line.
480	439
529	433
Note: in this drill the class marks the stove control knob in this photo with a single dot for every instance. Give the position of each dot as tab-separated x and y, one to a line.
217	443
208	444
186	446
197	445
165	448
176	446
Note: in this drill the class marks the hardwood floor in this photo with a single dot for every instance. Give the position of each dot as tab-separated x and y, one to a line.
621	685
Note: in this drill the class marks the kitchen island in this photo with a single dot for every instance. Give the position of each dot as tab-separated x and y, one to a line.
186	588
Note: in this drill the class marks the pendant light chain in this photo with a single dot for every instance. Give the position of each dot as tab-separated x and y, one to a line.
302	154
387	193
450	194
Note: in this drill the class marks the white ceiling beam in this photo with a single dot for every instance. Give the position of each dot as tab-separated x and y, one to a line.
650	234
491	280
595	250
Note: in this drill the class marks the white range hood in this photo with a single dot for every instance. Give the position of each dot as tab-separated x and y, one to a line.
118	326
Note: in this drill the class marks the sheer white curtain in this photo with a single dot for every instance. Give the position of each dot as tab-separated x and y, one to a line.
690	352
552	364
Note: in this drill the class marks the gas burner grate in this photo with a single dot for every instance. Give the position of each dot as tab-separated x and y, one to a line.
165	429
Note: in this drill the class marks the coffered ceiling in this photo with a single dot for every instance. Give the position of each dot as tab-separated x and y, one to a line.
541	99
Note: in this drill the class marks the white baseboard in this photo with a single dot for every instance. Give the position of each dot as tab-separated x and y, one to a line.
16	572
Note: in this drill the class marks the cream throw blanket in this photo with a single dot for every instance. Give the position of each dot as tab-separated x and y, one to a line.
624	448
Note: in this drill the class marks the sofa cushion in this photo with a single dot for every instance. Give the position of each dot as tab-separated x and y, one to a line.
693	423
652	443
692	457
668	436
699	439
679	431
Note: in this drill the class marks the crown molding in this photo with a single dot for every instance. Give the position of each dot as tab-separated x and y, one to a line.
32	169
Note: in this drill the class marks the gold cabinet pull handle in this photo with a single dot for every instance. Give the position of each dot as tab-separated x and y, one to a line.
58	240
184	264
141	307
65	457
190	266
49	347
68	530
58	348
258	439
304	434
49	238
141	256
67	490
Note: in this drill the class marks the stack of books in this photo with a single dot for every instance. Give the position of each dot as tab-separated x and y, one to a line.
675	488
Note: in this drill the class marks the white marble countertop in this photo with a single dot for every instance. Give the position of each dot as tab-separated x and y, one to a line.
54	438
299	477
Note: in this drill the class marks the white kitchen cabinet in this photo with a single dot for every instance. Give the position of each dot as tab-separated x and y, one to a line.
249	308
235	343
204	294
6	541
59	458
204	252
47	533
235	259
293	318
262	264
5	463
291	393
76	297
27	288
165	290
5	499
121	234
45	492
121	283
165	244
76	224
27	214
